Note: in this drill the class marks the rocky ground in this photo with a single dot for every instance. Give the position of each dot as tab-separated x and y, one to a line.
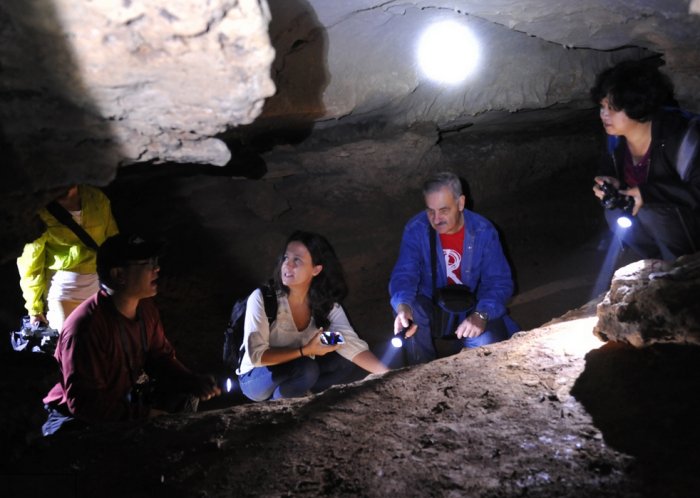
551	413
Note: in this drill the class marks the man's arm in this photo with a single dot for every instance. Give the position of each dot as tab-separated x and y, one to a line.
162	355
405	277
494	288
495	282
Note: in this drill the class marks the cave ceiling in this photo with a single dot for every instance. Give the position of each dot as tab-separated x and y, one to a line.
90	86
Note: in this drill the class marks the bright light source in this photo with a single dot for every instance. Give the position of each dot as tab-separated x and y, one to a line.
448	52
396	341
624	222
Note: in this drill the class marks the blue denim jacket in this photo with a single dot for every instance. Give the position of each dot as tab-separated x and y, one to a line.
484	267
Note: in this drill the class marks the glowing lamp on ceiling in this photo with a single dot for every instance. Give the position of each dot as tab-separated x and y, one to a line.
448	52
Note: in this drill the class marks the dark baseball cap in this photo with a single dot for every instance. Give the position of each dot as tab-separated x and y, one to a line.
122	248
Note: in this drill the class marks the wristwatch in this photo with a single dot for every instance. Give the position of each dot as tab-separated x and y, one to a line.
482	315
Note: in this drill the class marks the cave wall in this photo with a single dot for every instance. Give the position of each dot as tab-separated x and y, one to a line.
225	232
87	86
341	62
161	99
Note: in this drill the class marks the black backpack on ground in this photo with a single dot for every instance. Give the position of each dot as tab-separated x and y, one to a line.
234	348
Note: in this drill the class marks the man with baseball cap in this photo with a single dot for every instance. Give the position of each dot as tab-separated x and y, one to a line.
116	363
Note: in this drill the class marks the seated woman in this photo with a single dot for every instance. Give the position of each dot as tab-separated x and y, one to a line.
286	359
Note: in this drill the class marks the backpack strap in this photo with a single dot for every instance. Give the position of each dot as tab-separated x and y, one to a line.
62	215
688	148
612	143
270	302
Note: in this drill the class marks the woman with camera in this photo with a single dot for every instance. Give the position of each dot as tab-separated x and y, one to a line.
290	355
652	159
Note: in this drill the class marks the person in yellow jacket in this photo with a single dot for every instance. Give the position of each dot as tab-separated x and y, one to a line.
58	268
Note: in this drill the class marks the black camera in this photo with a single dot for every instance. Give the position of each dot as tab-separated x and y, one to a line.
613	199
37	338
142	393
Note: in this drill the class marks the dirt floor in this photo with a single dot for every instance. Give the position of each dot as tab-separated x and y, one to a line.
552	412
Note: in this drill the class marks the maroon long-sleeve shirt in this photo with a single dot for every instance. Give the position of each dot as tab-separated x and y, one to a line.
96	372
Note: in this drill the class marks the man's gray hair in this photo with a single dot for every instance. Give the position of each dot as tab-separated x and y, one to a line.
443	179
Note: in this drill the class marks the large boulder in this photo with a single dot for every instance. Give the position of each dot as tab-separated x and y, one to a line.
653	301
127	81
87	86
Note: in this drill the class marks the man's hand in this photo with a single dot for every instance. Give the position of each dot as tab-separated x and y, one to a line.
204	387
472	326
599	180
637	196
404	318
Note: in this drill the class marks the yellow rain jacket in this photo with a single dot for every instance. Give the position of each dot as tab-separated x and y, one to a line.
59	248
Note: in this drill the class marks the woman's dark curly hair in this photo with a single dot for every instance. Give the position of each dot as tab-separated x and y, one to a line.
328	287
636	87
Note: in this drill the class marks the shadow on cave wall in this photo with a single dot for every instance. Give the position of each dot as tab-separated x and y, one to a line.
300	74
645	403
52	134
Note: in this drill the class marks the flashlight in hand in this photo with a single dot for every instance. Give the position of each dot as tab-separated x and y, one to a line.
613	199
400	337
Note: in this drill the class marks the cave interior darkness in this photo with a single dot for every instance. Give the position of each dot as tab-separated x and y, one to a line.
342	149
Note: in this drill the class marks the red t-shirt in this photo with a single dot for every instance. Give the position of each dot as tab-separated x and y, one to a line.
452	245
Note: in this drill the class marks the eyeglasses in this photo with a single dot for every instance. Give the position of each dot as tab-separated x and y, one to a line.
152	262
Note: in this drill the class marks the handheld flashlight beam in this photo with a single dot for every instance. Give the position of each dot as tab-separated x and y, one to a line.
400	337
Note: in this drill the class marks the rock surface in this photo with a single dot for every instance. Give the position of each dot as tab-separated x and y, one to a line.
86	86
155	80
499	421
534	54
653	301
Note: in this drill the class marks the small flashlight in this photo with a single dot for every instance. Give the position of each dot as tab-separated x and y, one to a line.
397	340
228	384
624	222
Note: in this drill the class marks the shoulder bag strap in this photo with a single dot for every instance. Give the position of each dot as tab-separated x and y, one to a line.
60	213
433	259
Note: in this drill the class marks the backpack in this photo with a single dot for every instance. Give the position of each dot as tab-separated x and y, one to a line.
233	335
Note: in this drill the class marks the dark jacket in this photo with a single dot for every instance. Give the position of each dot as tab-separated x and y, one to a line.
664	185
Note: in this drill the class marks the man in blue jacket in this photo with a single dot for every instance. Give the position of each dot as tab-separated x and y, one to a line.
471	255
